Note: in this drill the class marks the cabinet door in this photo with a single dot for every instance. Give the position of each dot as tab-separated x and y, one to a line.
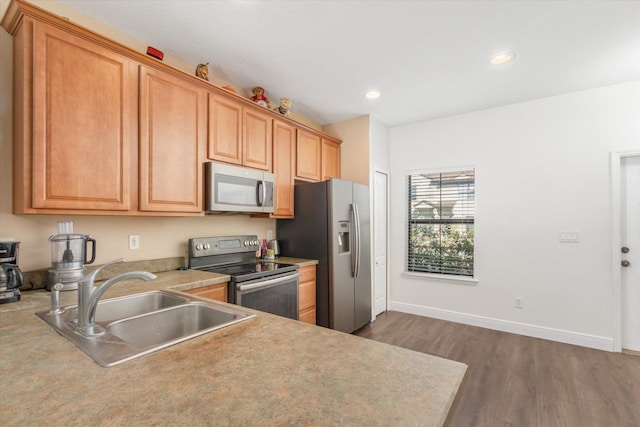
225	129
256	142
284	151
330	159
84	112
308	156
307	295
172	138
216	292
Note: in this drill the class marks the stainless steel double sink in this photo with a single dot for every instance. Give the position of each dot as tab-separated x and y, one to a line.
142	323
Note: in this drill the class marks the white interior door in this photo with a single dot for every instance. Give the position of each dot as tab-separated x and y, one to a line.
380	241
630	227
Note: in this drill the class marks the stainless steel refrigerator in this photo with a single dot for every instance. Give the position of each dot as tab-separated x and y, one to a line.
331	225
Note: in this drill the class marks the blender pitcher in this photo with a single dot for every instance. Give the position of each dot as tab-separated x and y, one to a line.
68	258
70	250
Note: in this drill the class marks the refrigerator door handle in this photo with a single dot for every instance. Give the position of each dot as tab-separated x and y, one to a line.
356	223
352	239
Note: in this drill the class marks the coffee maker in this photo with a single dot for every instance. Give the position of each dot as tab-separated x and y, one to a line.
69	256
10	274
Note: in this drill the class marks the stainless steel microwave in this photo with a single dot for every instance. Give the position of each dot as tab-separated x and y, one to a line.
236	189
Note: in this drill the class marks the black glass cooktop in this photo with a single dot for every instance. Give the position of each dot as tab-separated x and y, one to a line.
251	270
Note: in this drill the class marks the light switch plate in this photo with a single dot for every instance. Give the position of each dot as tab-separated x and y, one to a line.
569	237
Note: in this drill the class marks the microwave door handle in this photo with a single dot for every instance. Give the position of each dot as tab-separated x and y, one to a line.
261	193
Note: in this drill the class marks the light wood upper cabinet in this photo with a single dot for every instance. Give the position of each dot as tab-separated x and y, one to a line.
172	142
308	156
330	159
284	154
257	138
103	129
239	134
83	128
225	129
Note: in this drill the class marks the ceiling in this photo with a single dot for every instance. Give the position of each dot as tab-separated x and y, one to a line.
428	59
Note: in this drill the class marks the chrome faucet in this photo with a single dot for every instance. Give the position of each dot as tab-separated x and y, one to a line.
89	294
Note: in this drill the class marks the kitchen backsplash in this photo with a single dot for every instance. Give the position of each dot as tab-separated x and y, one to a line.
38	279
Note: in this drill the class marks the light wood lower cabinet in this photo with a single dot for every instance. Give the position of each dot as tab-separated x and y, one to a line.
216	292
307	295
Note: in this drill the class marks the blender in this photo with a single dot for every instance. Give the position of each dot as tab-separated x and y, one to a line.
69	256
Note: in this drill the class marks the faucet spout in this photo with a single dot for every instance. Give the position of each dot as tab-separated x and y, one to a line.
89	295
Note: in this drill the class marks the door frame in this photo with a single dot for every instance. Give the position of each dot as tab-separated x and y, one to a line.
616	230
386	204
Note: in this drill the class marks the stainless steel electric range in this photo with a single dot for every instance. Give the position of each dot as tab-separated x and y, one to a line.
262	285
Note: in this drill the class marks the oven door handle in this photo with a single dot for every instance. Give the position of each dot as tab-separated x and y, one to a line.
267	283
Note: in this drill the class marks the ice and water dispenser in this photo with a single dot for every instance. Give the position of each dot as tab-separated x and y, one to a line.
344	228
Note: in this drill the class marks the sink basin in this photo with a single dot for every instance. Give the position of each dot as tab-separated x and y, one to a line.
140	324
134	305
174	324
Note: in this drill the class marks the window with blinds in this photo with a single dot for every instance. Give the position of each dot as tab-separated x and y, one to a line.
441	219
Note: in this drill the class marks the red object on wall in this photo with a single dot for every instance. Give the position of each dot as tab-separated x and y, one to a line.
152	51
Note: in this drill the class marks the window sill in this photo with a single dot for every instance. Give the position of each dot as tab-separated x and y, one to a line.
462	280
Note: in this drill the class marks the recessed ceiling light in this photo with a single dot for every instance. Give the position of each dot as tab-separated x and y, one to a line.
502	58
372	94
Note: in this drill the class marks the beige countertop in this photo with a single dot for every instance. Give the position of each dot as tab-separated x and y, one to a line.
267	371
301	262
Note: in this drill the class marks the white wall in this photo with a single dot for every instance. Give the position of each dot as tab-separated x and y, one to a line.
354	150
378	146
542	167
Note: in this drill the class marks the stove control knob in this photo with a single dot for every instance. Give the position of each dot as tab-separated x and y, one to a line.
246	243
206	246
198	247
256	242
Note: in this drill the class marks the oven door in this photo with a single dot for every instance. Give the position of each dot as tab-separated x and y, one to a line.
276	295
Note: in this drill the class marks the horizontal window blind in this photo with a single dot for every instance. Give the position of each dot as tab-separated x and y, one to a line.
441	222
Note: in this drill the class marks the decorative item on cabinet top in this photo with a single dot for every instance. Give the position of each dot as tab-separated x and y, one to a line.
152	51
260	98
202	71
284	107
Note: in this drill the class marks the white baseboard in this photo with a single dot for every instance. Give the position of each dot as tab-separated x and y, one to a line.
568	337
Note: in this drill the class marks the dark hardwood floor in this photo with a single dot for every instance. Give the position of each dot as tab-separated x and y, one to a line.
513	380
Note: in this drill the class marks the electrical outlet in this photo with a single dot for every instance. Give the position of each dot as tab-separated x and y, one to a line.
569	237
519	302
269	235
134	241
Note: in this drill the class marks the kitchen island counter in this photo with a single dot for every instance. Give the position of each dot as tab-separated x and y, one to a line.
267	371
